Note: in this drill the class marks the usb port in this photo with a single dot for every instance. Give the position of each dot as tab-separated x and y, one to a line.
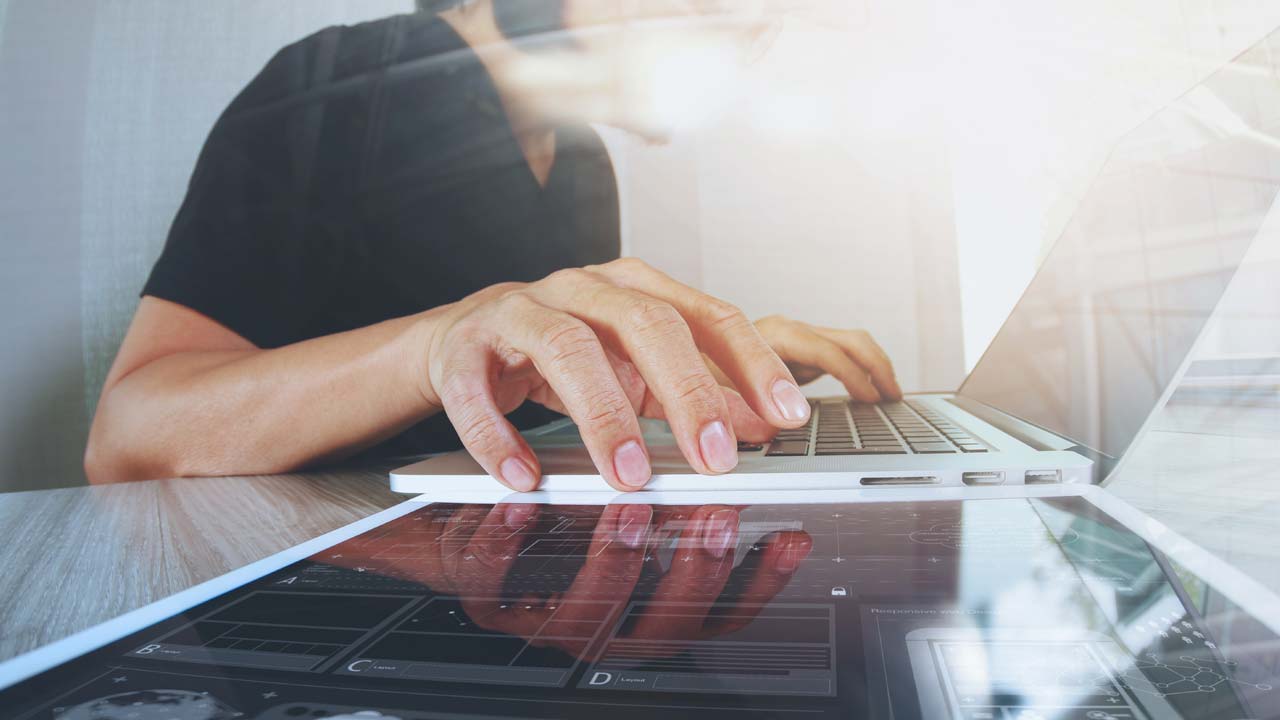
990	477
1043	477
902	480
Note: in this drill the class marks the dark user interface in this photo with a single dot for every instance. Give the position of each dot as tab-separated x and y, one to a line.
974	610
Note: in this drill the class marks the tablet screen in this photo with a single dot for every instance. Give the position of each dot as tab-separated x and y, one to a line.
979	609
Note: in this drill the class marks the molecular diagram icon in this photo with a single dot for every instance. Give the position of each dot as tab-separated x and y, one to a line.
1162	678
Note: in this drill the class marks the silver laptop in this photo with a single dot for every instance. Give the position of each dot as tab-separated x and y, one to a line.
1090	352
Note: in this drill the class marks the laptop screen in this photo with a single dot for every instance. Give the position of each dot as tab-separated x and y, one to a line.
1113	313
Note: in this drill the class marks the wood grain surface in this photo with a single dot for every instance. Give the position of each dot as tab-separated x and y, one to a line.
75	557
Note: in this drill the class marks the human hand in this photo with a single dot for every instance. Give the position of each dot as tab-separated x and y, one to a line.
604	345
851	356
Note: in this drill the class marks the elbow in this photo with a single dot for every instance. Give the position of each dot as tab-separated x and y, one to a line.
98	467
109	457
104	464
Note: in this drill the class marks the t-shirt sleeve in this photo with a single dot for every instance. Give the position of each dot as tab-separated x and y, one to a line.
248	247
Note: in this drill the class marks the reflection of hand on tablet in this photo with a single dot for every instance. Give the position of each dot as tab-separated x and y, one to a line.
701	569
621	542
470	553
614	560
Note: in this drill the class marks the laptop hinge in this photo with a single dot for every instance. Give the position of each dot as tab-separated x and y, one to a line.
1036	437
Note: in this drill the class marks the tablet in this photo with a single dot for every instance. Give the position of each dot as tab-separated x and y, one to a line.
1064	604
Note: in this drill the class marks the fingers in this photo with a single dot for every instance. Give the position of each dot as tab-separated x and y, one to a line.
613	563
746	423
457	535
660	344
628	377
468	399
608	577
699	570
779	560
569	356
493	547
808	347
480	568
867	352
729	338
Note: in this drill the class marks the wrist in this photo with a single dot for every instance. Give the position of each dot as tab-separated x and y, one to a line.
416	347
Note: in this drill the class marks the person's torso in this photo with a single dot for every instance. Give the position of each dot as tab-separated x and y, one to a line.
412	191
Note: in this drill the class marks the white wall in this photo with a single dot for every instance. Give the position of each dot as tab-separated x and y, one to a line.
824	195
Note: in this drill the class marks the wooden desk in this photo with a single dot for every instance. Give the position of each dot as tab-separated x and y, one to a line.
78	556
75	557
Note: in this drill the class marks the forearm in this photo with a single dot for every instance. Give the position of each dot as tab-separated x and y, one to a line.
262	411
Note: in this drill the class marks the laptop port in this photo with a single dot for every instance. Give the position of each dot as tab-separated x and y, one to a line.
901	480
993	477
1043	477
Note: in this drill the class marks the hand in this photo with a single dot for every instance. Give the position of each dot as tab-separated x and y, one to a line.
850	356
688	603
470	553
604	345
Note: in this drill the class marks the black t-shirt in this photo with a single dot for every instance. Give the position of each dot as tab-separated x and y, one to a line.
367	173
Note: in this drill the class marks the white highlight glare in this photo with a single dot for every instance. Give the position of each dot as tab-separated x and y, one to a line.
690	86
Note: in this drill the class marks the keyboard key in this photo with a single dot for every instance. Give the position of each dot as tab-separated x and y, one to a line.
788	448
869	451
932	448
974	449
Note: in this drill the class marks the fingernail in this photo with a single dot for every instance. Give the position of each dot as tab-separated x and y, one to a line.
718	449
788	560
516	515
633	525
790	401
721	532
517	474
790	557
631	464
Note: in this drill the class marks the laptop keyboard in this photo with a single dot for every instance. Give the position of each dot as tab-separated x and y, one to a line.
842	427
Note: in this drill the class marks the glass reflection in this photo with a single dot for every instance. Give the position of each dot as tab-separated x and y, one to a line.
1107	323
1034	609
1015	609
558	576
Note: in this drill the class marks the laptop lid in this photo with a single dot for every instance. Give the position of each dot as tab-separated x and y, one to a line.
1103	331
